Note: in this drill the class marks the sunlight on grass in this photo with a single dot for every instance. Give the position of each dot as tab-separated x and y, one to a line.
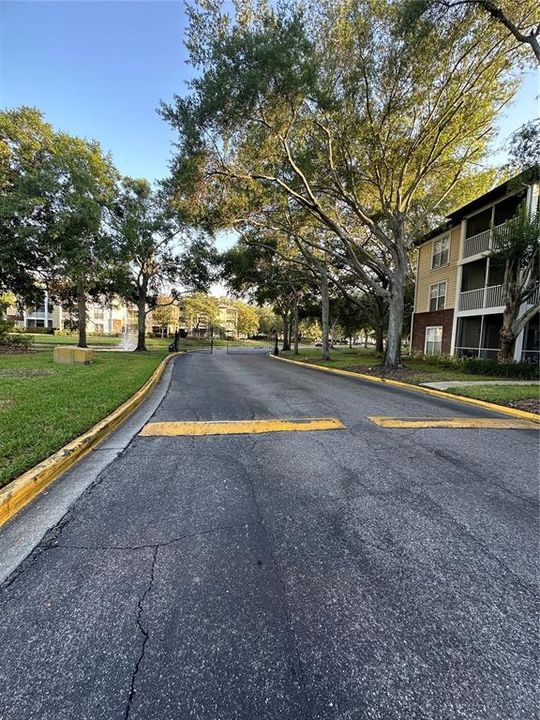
44	405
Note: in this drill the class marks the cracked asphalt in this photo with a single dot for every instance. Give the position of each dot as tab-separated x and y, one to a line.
360	573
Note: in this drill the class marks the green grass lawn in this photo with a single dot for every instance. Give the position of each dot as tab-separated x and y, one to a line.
40	339
416	370
500	394
44	405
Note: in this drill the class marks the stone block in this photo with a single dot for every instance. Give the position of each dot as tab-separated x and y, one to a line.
83	355
63	354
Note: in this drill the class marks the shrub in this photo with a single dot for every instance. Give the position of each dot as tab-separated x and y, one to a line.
523	371
12	340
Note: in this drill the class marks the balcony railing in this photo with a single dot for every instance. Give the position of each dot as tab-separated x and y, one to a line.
533	298
486	297
471	299
479	243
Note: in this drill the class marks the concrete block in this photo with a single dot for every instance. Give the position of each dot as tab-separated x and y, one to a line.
63	354
83	355
69	354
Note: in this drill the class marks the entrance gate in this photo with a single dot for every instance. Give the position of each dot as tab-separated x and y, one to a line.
249	347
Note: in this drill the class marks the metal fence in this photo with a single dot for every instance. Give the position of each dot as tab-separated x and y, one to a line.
197	343
249	347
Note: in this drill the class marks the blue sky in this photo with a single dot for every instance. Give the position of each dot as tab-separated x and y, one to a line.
99	69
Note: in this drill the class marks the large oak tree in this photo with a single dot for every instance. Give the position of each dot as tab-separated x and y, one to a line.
370	124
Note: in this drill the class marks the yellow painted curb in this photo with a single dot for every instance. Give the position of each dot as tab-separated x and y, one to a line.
514	412
238	427
23	489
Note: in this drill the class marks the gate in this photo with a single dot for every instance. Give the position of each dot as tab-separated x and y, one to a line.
249	347
199	342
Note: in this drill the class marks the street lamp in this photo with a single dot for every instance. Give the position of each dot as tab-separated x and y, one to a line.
276	348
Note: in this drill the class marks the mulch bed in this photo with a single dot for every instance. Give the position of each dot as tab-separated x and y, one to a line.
530	405
403	374
15	351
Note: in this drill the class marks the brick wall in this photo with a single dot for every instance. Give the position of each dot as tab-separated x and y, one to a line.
428	319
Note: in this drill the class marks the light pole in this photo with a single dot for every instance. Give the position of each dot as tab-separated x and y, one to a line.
276	348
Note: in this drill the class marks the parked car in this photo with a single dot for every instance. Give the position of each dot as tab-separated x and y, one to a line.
318	343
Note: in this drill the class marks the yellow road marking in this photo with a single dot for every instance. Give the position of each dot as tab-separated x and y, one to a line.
454	422
239	427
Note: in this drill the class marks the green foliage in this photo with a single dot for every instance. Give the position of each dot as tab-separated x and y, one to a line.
366	123
517	240
36	393
523	371
500	394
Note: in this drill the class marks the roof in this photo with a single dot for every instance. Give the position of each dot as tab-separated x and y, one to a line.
528	176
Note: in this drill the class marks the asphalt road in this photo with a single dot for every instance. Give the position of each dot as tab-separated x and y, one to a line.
345	574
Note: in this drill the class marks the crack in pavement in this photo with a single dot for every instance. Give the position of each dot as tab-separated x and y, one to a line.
154	545
144	632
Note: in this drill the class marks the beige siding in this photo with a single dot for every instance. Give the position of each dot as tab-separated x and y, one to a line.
427	276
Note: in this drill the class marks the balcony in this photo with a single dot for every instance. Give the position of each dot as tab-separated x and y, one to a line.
485	297
476	244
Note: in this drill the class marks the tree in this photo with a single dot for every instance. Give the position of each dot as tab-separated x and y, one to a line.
516	249
147	257
524	147
370	125
268	320
519	17
248	318
81	248
26	146
55	190
199	310
254	269
166	311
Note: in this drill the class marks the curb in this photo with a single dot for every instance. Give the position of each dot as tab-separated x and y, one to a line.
19	492
501	409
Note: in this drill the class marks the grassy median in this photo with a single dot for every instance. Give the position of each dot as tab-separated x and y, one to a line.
44	405
415	370
501	394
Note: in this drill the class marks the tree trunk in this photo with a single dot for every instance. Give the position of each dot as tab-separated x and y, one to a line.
365	338
507	336
392	357
296	327
325	313
286	337
141	322
81	305
379	337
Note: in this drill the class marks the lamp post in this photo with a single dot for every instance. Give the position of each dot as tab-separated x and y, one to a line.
276	348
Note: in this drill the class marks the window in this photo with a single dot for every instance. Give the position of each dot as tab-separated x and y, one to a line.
433	344
437	296
440	252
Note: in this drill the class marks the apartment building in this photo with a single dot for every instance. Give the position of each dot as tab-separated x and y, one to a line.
109	318
200	324
458	298
228	320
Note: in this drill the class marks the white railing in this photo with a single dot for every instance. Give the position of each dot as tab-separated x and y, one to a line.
471	299
476	243
486	297
533	298
494	296
479	243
